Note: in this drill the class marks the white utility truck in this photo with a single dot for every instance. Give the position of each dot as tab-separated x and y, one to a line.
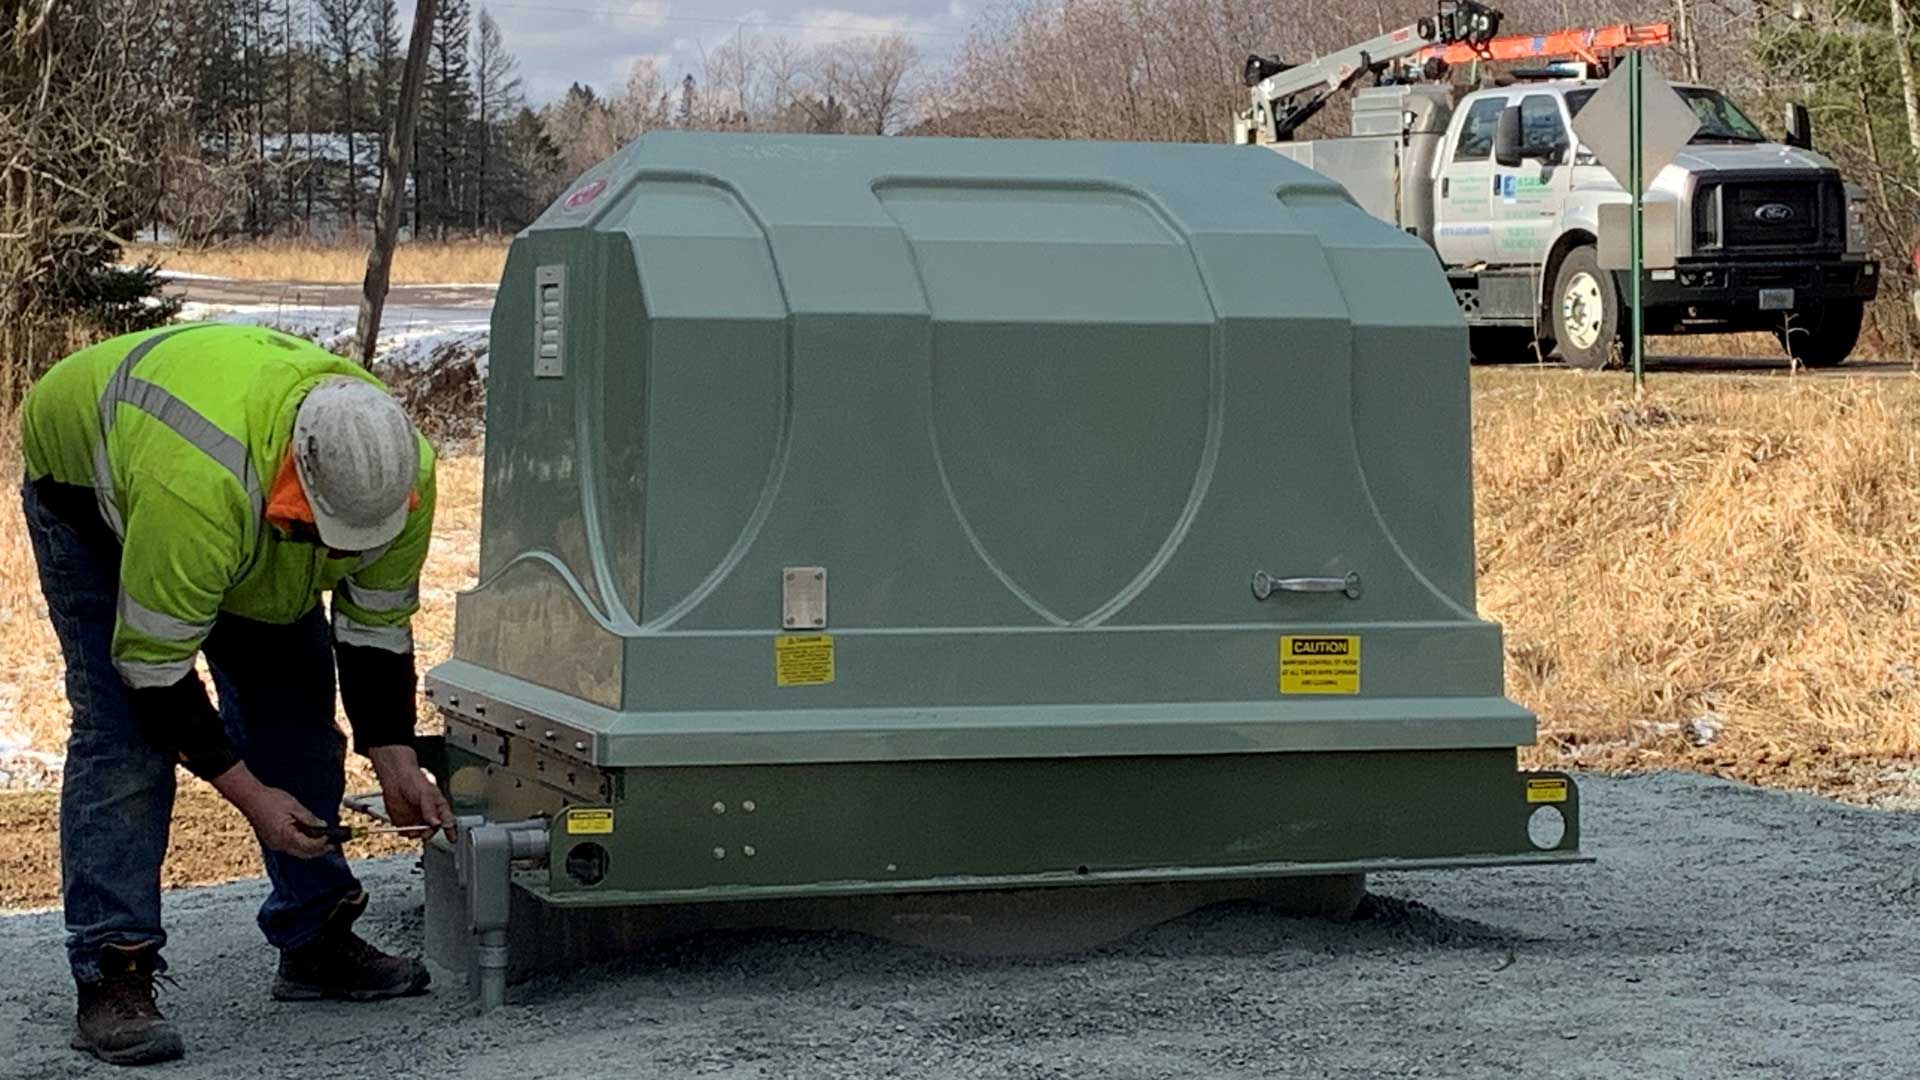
1755	234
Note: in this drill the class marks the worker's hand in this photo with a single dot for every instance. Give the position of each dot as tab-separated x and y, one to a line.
412	799
276	816
273	813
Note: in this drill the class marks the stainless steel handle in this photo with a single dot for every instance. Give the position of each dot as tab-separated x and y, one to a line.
1265	585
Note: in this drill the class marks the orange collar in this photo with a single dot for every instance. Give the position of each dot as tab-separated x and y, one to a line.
287	500
287	504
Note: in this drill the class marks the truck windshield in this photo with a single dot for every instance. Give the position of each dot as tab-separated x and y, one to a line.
1720	120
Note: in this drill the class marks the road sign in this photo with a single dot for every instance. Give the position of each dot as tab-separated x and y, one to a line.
1634	125
1605	124
1657	222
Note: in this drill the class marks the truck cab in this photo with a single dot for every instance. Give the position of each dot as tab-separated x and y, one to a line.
1754	234
1504	215
1764	235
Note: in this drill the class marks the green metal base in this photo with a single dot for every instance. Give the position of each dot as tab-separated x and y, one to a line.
699	834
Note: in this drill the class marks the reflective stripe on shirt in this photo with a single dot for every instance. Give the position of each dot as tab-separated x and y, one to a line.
158	625
158	402
350	631
143	676
380	600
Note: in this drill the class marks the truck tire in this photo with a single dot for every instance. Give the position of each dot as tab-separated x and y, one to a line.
1586	311
1501	344
1823	336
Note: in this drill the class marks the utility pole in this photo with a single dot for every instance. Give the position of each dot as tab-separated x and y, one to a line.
393	177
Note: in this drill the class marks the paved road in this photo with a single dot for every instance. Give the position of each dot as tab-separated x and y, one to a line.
1669	364
298	294
305	294
1726	932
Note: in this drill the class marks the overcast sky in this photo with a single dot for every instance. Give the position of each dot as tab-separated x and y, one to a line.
596	41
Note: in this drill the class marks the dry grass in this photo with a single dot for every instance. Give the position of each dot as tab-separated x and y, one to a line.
1729	553
33	700
210	843
425	263
210	840
33	704
1741	550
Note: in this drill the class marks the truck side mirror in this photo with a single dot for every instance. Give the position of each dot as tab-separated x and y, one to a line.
1799	127
1506	137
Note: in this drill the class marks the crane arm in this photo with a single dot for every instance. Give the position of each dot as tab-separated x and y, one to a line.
1295	92
1587	44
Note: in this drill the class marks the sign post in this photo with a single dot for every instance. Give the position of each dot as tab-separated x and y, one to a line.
1634	125
1637	339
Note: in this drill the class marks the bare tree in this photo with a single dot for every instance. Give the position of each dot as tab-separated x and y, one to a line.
1903	59
1684	35
641	106
734	84
873	77
86	115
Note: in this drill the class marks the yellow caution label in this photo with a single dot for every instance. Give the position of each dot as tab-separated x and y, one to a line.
1545	790
1319	664
803	660
589	822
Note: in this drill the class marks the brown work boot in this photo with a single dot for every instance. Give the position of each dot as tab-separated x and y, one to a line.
118	1021
339	965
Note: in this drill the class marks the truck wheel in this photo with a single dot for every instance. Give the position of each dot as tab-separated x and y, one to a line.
1501	344
1586	311
1823	336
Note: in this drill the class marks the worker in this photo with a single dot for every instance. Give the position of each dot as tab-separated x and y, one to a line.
192	491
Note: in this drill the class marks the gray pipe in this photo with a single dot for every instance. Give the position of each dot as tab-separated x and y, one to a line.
489	852
491	953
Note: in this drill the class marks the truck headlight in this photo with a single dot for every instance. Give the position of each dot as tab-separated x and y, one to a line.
1857	238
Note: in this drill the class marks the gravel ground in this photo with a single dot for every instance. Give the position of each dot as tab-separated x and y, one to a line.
1726	932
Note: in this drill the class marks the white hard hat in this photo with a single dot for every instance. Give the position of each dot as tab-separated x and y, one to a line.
358	458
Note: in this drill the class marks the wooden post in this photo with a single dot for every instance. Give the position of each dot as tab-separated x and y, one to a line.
393	177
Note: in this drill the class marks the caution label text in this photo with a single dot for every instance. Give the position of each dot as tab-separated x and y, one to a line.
803	659
1319	664
584	822
1546	790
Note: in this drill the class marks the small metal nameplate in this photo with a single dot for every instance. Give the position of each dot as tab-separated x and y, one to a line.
803	598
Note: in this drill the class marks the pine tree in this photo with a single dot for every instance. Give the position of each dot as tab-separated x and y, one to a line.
685	117
531	174
343	25
445	115
386	57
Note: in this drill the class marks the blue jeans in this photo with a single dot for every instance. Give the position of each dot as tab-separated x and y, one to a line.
275	687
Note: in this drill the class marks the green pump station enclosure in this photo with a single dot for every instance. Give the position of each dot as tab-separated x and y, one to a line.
877	515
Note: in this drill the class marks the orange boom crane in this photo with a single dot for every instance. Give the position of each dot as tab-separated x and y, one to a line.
1459	32
1587	44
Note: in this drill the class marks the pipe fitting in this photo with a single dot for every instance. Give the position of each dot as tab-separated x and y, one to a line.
488	852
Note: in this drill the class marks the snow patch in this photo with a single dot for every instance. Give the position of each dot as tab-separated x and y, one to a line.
411	337
177	275
188	275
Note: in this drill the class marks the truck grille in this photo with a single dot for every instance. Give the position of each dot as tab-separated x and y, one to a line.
1800	215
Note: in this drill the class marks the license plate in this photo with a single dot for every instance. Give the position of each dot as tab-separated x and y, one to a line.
1776	299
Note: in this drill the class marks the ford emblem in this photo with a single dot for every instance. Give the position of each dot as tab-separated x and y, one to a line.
1774	213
